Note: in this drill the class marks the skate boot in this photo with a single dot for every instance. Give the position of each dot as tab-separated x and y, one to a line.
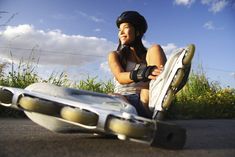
59	109
68	110
170	81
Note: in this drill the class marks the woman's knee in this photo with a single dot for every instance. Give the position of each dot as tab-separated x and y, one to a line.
155	55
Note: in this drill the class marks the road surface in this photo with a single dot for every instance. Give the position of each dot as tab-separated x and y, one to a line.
23	138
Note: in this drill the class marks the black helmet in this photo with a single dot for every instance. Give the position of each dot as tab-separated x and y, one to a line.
134	18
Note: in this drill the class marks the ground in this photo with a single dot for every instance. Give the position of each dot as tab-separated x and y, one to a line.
22	137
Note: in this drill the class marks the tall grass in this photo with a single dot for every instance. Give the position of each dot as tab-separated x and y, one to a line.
203	99
20	75
91	84
200	98
59	79
2	67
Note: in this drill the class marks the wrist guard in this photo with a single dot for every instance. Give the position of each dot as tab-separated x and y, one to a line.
141	74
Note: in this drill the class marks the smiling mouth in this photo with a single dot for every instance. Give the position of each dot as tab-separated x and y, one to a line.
123	37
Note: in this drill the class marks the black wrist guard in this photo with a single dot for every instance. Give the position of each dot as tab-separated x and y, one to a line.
141	74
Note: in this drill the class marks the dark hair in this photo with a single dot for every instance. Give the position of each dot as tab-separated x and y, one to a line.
140	25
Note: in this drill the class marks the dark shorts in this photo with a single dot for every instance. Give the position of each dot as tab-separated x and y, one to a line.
134	100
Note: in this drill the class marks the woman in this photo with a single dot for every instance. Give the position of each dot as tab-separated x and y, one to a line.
132	65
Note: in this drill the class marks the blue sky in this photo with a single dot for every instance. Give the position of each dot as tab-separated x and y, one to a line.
76	35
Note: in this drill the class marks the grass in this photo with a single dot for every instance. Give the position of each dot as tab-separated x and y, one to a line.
203	99
198	99
92	85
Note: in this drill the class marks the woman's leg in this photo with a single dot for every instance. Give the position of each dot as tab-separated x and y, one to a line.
144	97
155	56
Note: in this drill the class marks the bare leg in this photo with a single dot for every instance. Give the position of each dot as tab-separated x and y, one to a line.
144	97
155	56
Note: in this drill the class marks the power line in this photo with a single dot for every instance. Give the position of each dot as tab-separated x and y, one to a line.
86	55
52	51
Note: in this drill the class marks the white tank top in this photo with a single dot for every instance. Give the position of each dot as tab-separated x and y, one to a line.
131	88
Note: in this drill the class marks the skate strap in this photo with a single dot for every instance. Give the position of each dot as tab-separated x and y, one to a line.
137	66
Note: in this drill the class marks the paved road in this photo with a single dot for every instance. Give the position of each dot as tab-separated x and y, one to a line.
23	138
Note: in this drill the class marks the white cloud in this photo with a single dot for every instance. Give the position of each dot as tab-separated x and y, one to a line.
52	47
105	67
232	74
218	6
187	3
146	43
211	26
215	6
97	30
168	49
206	1
59	16
90	17
41	21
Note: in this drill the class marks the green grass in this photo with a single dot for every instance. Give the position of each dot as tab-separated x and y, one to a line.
199	98
203	99
91	84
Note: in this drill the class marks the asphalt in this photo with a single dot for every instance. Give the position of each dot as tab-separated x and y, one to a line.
23	138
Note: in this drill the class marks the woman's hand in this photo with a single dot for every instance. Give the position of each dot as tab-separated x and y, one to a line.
156	72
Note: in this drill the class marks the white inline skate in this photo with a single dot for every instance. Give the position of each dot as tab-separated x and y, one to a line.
170	81
62	110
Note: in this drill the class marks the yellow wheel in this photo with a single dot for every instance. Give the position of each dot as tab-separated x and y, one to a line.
5	96
168	99
189	54
79	116
38	105
178	78
132	129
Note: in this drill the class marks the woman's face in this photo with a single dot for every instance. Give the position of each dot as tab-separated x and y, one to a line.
126	33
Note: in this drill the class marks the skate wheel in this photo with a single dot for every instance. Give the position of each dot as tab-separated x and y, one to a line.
5	96
178	78
38	105
79	116
189	54
133	129
168	99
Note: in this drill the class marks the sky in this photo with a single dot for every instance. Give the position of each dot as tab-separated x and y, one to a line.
75	36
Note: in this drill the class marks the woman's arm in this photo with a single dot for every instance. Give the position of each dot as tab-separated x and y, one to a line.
121	76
